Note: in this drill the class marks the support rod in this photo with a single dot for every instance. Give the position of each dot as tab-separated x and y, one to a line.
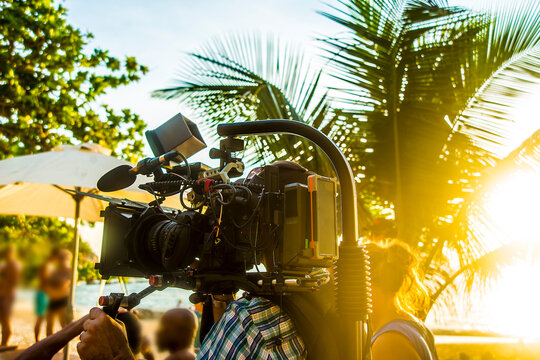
74	264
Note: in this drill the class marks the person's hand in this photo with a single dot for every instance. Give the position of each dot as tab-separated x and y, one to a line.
103	338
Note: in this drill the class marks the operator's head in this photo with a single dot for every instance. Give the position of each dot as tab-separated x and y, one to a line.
177	330
289	173
395	277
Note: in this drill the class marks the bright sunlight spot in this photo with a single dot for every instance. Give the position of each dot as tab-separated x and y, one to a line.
513	205
512	305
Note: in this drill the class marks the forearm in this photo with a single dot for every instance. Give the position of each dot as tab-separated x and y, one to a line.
46	348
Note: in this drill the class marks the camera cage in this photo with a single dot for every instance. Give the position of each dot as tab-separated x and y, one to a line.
351	270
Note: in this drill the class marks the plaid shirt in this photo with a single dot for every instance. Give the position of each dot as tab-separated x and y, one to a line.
253	329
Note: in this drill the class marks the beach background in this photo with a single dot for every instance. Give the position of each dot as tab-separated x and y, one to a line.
451	344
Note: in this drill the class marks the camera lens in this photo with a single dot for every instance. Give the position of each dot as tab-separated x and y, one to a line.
164	244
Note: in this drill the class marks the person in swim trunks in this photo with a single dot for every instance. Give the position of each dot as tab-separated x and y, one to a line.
42	299
58	288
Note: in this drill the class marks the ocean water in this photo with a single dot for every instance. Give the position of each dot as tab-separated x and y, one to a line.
87	295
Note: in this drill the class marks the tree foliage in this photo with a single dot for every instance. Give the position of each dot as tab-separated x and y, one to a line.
50	83
422	111
36	238
50	88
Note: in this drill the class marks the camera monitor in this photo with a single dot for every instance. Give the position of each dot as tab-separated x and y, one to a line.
178	133
310	224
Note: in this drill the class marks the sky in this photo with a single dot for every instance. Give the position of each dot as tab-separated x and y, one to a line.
161	33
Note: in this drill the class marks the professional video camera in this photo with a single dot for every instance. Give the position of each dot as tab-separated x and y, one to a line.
215	244
226	227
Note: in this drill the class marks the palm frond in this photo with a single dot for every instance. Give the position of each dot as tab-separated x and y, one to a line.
478	256
253	77
479	274
405	84
507	68
492	117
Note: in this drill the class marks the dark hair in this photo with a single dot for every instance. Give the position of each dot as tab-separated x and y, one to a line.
394	269
133	330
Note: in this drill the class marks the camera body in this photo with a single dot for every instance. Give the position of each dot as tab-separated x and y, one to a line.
217	243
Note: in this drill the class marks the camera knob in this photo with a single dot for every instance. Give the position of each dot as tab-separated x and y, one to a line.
104	301
155	280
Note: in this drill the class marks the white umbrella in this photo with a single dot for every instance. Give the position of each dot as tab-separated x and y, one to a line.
35	185
32	184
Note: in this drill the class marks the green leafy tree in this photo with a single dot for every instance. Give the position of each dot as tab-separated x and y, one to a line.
50	86
51	81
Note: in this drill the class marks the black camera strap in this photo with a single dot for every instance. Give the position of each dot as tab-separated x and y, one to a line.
207	319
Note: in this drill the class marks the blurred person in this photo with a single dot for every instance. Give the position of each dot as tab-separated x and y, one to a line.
176	333
133	329
10	272
146	348
197	309
398	297
42	299
58	290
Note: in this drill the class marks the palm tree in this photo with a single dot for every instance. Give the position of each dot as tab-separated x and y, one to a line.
415	113
479	260
253	77
438	86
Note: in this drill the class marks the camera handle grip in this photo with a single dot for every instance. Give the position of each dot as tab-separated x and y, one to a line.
114	301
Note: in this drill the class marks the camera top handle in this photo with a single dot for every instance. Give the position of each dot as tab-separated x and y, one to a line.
338	160
354	294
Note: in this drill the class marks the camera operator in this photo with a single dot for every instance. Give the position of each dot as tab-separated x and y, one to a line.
252	327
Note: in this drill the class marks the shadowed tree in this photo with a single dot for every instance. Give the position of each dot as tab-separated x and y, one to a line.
51	81
411	112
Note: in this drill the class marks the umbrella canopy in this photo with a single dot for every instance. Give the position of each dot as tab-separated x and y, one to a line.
33	184
36	185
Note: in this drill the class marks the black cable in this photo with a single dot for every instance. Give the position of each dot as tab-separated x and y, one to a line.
184	204
228	186
252	214
185	162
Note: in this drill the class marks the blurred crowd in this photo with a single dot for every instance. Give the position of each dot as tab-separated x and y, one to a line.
176	333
